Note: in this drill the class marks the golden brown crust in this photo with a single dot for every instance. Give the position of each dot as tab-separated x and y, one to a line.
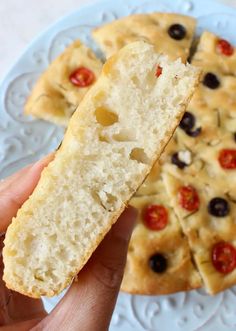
54	97
149	27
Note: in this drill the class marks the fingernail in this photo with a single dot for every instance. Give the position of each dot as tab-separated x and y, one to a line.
126	222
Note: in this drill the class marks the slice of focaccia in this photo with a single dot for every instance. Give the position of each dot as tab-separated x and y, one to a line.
217	59
105	156
207	213
218	51
159	260
171	34
62	86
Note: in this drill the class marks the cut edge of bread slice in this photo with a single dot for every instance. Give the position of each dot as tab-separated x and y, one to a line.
113	139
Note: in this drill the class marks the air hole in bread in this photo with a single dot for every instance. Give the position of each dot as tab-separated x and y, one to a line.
107	200
21	260
73	263
76	224
135	80
97	199
151	78
105	117
39	277
111	199
29	241
12	252
124	135
95	215
99	97
63	254
139	155
52	238
103	138
131	249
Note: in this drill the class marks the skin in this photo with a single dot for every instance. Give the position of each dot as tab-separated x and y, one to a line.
89	303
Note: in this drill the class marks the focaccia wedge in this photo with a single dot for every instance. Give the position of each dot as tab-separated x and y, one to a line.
207	213
217	59
159	259
171	34
60	89
106	154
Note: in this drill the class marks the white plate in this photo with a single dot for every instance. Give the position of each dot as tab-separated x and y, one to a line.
23	140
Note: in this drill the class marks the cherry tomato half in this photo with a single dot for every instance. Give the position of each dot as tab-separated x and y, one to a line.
224	47
82	77
155	217
227	158
224	257
158	71
188	198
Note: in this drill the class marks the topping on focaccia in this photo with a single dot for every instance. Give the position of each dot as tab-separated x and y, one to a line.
211	81
158	263
177	31
224	47
188	198
82	77
155	217
224	257
218	207
159	71
227	158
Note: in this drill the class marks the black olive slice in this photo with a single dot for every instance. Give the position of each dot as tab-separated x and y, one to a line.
218	207
211	81
176	161
177	31
158	263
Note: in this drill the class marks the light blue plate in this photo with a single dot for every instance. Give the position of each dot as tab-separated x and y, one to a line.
23	140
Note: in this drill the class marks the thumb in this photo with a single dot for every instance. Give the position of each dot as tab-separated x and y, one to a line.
89	303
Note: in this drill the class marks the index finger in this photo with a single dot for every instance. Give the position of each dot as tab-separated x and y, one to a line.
16	189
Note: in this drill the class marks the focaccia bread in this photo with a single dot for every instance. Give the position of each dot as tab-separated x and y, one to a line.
171	34
202	155
211	154
105	156
218	83
207	212
60	89
218	51
159	259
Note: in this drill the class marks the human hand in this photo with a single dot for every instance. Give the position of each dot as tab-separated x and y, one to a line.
89	303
